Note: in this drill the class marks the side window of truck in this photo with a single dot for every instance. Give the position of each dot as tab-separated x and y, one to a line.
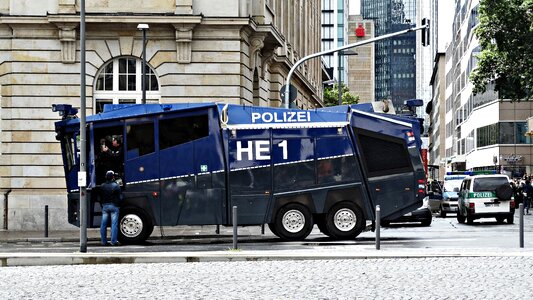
384	156
140	139
181	130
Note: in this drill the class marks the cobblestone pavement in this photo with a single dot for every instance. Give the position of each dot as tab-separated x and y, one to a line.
394	278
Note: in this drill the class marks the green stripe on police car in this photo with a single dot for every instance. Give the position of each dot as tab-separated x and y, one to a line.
482	195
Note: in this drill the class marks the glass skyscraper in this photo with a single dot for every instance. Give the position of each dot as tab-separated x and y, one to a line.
334	34
395	60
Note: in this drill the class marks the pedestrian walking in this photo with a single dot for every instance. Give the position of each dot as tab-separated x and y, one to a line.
110	199
528	194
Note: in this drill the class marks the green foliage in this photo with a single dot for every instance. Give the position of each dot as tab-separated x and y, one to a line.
331	96
505	34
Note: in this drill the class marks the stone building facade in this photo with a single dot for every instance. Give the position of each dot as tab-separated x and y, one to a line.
235	51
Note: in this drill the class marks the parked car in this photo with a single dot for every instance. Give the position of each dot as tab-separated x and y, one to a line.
452	183
422	214
486	196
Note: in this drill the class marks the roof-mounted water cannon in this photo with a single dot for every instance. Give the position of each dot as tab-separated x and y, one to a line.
409	106
409	110
65	110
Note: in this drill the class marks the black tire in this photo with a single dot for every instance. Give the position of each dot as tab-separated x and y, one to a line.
500	220
345	220
293	222
427	222
384	223
442	213
469	220
504	192
135	226
460	218
320	222
272	228
510	219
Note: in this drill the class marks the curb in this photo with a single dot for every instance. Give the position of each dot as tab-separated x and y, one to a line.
48	259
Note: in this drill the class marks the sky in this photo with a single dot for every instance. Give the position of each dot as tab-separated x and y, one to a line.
446	11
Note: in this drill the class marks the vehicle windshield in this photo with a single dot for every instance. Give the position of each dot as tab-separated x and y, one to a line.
488	183
452	185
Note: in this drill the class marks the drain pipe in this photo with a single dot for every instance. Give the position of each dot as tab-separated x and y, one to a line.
6	195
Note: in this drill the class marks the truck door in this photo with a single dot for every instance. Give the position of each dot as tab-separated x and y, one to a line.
250	177
141	164
191	169
391	178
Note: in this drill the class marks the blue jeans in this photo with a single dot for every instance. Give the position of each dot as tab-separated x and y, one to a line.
107	209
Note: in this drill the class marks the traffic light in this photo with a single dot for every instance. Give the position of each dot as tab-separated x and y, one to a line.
425	32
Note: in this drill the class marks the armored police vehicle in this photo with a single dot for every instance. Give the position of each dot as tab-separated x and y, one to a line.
189	164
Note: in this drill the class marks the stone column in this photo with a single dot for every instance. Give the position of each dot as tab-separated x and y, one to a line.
183	42
258	11
183	7
243	8
67	36
67	6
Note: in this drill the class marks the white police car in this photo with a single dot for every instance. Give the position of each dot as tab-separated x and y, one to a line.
486	196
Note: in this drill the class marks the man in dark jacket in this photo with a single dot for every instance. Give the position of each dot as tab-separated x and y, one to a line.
110	198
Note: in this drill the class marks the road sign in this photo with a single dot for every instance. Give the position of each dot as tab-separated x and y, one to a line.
293	92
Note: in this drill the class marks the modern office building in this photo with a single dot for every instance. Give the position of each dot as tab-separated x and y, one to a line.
483	131
436	112
235	51
395	58
335	34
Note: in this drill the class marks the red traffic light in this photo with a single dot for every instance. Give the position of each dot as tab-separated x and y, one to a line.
360	31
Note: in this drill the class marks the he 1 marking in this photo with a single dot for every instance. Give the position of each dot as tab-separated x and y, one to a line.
262	149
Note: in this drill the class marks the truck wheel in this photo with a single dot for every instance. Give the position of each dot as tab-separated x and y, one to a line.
345	220
272	228
470	220
427	222
135	226
500	220
293	222
442	213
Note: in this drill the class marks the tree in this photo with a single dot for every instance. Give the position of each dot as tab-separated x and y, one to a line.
331	96
505	34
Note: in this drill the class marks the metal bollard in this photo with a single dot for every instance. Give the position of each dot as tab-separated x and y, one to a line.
521	224
263	229
378	227
46	221
217	231
235	227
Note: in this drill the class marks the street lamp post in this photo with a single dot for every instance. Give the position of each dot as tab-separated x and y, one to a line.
143	27
339	81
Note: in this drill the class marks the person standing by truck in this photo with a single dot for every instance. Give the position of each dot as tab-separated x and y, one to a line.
110	199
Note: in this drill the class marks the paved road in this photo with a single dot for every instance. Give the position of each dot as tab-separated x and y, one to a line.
411	278
444	233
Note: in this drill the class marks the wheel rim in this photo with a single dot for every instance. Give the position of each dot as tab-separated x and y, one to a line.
131	225
345	219
293	221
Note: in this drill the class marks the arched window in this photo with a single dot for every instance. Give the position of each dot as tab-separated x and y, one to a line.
119	82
